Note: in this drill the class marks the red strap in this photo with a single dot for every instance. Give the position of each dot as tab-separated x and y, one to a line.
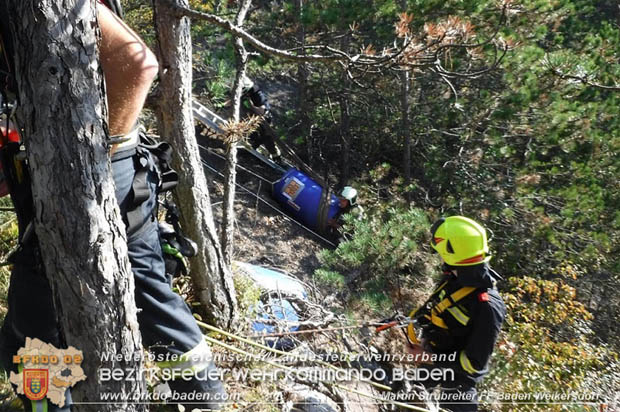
386	326
483	297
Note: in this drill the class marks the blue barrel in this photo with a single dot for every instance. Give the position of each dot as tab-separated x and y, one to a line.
301	197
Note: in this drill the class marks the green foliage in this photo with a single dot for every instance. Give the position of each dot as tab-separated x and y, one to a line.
377	302
381	245
8	241
530	149
329	279
248	294
218	79
139	16
382	254
546	346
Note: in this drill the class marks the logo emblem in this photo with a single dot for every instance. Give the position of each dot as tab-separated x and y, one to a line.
36	383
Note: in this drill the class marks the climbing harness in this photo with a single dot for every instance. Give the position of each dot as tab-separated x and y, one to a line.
174	244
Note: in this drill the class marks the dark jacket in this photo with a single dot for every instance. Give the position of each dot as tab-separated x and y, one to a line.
257	98
473	323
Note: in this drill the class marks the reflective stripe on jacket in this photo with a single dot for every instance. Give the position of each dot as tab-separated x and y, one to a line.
466	325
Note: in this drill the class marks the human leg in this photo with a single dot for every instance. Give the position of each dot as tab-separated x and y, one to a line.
168	328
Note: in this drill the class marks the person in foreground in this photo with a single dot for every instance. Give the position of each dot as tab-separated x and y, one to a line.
462	317
166	323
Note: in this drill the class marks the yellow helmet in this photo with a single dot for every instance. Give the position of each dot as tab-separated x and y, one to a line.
460	241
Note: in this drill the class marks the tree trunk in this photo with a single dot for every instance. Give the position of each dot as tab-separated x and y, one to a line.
404	123
230	174
302	81
345	137
405	108
77	222
228	208
345	122
211	277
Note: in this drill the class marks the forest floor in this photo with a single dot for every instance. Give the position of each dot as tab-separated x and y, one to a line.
264	235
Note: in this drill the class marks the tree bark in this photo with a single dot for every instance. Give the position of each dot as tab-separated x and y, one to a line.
77	221
405	108
230	174
302	81
345	138
211	277
345	123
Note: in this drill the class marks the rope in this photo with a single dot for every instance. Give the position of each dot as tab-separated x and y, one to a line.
288	368
279	352
239	166
271	206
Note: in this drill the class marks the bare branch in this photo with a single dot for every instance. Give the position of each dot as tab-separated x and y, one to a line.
409	55
241	33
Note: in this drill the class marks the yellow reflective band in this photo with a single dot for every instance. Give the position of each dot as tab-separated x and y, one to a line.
456	296
195	360
434	318
413	312
412	335
466	364
441	286
459	315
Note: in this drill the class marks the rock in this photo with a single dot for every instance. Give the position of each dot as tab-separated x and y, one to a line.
301	398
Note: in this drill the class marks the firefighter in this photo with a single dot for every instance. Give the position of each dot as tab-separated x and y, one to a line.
347	204
166	323
255	102
463	315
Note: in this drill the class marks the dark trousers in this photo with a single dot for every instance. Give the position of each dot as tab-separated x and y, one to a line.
458	395
459	399
166	323
263	136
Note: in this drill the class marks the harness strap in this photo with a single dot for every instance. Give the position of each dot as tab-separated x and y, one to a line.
449	303
140	192
168	178
452	299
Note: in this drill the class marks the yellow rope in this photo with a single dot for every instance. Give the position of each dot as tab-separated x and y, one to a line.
288	368
279	352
